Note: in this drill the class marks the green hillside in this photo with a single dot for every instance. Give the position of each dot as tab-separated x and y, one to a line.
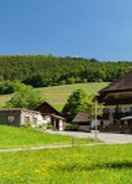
58	95
48	70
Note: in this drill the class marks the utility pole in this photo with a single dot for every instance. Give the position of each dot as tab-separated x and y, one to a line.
95	118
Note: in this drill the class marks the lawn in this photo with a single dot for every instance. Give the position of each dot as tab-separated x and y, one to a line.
58	95
20	137
104	164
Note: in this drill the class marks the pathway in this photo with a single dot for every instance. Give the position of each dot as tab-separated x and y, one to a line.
44	147
108	138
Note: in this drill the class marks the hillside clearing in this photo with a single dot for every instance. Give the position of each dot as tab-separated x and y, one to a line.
58	95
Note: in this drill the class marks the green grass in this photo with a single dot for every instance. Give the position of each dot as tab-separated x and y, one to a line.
58	95
19	137
104	164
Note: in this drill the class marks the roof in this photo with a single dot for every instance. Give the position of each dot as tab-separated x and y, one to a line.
126	118
118	92
57	117
81	117
19	110
124	83
43	108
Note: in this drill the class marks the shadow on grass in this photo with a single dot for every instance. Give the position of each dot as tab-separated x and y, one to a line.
84	167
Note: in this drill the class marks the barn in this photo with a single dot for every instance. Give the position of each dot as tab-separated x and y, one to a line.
56	118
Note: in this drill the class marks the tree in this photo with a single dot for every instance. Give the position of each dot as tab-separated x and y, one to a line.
6	87
26	97
78	101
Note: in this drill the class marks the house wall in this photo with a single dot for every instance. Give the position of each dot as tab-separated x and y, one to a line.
10	117
35	119
24	117
47	119
84	127
21	118
111	120
61	125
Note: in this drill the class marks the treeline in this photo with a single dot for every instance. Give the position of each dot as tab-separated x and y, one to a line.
40	70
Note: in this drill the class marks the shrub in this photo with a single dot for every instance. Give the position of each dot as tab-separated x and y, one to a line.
26	97
7	87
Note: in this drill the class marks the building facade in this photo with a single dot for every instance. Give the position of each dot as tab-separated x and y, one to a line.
21	117
48	112
117	99
83	121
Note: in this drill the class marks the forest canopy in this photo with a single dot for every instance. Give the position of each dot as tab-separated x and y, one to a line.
42	70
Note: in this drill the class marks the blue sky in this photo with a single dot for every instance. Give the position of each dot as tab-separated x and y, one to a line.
99	29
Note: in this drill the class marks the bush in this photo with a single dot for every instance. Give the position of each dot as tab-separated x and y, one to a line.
37	80
26	97
7	87
49	126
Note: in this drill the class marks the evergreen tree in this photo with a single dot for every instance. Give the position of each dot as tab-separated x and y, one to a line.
77	102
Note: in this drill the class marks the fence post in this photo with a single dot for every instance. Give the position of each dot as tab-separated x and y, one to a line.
72	141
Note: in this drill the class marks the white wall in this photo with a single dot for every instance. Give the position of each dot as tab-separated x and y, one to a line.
61	125
35	119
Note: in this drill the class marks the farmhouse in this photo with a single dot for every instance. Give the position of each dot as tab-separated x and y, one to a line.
21	117
83	121
55	117
117	98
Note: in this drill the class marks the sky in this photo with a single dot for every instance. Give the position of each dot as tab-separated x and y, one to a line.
100	29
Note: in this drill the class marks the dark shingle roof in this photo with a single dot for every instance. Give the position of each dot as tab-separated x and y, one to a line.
45	107
122	84
118	92
81	117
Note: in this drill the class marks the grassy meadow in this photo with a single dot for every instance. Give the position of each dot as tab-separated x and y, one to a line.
21	137
102	164
58	95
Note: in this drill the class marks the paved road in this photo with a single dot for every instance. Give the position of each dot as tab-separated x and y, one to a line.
108	138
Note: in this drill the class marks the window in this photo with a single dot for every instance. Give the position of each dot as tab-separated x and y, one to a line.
11	119
34	120
27	119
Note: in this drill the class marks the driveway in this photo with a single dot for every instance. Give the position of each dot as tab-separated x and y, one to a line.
108	138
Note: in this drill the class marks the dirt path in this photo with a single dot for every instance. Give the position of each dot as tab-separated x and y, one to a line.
44	147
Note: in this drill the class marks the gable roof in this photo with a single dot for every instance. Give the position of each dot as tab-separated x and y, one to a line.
45	107
118	92
81	117
124	83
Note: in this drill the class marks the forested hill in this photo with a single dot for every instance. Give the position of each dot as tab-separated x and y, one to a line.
50	70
